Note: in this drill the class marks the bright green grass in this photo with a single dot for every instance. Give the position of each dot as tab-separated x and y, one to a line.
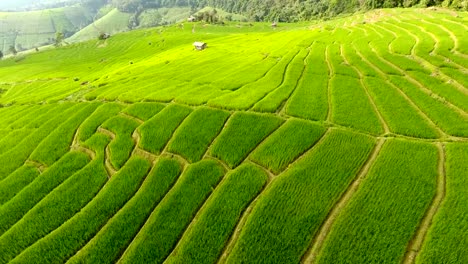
156	132
286	144
367	230
144	111
351	106
13	138
123	144
58	142
406	120
310	99
197	132
18	180
117	234
169	219
28	197
63	242
59	205
102	113
446	241
204	240
446	118
290	211
292	77
243	132
15	157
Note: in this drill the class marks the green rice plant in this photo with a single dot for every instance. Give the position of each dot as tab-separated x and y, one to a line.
444	117
4	133
109	244
402	45
200	95
13	138
274	100
247	95
91	124
197	132
446	239
156	132
65	241
28	197
243	132
59	205
122	146
144	111
338	64
18	180
456	74
367	230
310	99
351	106
362	45
205	239
443	89
43	119
292	208
12	113
401	117
286	144
250	74
58	142
32	114
170	218
349	53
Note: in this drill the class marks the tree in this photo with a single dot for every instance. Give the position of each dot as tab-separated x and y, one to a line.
58	39
12	50
1	55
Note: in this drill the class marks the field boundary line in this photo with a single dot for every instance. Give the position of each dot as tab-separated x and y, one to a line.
331	72
112	216
197	215
282	81
39	166
240	226
405	96
426	64
282	108
419	236
184	168
208	150
366	90
316	245
243	219
136	119
111	171
436	45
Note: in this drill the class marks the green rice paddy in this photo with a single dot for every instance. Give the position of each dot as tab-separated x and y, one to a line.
341	141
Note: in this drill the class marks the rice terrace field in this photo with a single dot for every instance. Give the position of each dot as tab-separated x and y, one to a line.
341	141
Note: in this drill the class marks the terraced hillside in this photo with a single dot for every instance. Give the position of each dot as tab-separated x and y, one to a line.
27	30
341	142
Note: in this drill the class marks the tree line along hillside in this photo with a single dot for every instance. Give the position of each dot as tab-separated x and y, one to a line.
287	10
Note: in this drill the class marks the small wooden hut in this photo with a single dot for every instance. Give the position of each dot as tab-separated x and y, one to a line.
200	45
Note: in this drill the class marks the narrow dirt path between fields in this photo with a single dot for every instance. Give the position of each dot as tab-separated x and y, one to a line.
245	215
317	243
184	168
366	90
417	241
421	113
111	171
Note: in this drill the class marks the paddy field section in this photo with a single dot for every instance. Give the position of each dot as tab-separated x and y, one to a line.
342	141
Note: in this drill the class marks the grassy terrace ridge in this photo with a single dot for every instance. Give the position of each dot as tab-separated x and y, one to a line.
325	142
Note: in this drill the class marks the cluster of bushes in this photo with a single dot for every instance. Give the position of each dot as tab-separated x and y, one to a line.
284	10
